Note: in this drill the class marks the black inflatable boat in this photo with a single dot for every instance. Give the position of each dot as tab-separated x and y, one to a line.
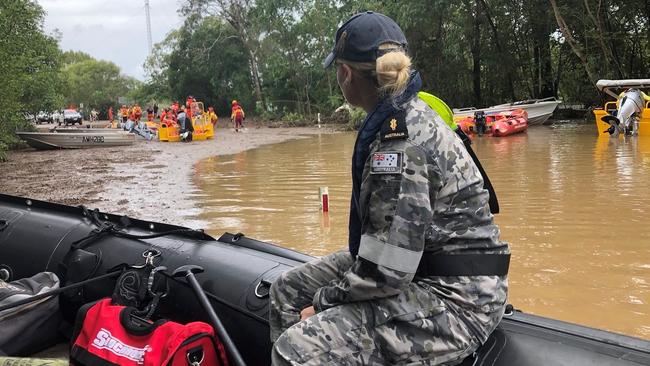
35	236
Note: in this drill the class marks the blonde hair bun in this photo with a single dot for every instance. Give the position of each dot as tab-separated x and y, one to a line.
393	70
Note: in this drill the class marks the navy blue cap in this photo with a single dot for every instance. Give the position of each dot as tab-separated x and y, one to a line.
359	38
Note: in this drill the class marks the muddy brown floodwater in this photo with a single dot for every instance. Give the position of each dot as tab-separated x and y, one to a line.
574	208
148	180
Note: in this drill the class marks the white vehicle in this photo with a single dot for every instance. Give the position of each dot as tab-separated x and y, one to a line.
43	116
71	116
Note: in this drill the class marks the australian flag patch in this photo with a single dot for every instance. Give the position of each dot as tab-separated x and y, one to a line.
388	162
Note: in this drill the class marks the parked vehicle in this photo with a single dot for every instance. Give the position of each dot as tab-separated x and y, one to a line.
71	116
44	117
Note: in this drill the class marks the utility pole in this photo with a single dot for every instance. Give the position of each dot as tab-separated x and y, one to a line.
146	10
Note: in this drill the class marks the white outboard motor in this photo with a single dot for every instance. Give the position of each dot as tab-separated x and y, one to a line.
629	107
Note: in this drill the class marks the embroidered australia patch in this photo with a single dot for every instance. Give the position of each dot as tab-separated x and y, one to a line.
395	127
386	163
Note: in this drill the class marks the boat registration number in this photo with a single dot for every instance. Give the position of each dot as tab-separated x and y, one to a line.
99	139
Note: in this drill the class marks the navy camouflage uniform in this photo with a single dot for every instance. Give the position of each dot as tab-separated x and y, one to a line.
372	308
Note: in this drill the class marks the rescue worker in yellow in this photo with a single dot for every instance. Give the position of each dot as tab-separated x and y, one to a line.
424	280
212	116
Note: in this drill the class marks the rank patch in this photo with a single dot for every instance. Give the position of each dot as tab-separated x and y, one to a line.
386	163
395	127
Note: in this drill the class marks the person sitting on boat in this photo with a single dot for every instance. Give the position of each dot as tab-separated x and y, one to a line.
212	116
129	125
237	115
425	278
186	126
167	117
163	114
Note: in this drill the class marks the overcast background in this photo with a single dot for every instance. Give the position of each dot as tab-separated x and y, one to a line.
112	30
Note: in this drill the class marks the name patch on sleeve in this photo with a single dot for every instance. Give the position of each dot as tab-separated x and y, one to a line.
386	163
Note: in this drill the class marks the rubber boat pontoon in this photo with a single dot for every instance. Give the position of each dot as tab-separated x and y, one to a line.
76	140
35	236
539	110
496	124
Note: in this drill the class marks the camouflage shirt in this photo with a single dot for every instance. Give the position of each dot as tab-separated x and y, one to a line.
420	191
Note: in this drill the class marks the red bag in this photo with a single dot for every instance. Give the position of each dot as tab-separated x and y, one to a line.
106	335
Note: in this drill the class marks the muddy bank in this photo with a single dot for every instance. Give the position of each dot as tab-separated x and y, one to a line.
149	180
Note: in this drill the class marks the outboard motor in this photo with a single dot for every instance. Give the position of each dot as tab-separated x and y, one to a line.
626	119
480	123
629	108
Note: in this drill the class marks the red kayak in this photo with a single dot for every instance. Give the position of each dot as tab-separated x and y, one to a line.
498	124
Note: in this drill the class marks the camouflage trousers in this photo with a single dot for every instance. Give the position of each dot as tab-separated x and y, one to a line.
415	327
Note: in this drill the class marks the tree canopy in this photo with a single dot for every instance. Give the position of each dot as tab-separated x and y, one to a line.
470	52
267	54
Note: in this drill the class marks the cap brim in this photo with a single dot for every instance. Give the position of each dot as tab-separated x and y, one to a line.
329	60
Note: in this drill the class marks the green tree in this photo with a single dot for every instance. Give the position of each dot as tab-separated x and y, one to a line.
28	68
95	84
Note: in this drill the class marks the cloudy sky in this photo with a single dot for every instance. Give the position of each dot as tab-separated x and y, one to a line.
113	30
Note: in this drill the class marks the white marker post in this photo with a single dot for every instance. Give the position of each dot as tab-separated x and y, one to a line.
324	199
318	119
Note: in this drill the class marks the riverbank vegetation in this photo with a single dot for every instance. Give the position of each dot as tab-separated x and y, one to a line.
267	54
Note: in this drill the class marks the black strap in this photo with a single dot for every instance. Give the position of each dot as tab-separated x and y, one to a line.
493	201
59	290
463	265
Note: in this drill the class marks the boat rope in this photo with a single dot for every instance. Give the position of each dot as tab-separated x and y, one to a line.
105	228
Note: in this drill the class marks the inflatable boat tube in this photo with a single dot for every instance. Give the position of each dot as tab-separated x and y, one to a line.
36	236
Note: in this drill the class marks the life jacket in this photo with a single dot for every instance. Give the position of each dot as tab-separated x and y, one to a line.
440	107
447	115
107	335
237	112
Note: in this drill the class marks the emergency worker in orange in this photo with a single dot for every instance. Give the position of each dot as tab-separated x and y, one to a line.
124	113
137	112
237	115
110	114
188	106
